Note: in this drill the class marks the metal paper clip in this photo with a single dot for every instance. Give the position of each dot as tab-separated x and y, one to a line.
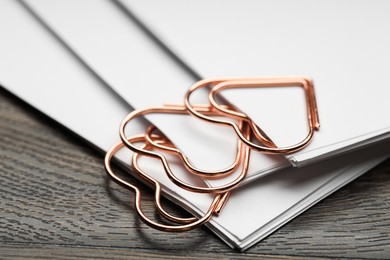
181	110
220	84
186	223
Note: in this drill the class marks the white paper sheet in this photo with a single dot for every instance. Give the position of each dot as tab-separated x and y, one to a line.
342	45
38	69
132	64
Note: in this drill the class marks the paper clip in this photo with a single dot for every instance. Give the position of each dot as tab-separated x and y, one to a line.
186	223
181	110
220	84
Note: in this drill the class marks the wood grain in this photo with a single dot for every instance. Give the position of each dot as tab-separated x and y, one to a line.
56	202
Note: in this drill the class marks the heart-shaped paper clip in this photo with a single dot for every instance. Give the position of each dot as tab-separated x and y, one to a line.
241	152
221	84
245	153
188	223
219	189
256	130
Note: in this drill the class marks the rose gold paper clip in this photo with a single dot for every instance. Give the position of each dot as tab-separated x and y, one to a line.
219	85
186	223
180	110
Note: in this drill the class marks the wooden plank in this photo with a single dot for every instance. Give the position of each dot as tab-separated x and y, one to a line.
57	202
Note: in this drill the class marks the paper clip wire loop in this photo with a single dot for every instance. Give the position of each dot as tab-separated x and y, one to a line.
220	84
178	110
213	209
220	189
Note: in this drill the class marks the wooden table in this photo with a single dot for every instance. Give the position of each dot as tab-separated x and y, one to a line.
57	202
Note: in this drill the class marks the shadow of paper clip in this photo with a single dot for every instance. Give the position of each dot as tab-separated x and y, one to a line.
221	84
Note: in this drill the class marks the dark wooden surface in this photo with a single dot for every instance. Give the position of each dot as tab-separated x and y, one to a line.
57	202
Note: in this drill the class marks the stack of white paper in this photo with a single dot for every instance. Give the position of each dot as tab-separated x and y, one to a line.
78	68
144	75
342	46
